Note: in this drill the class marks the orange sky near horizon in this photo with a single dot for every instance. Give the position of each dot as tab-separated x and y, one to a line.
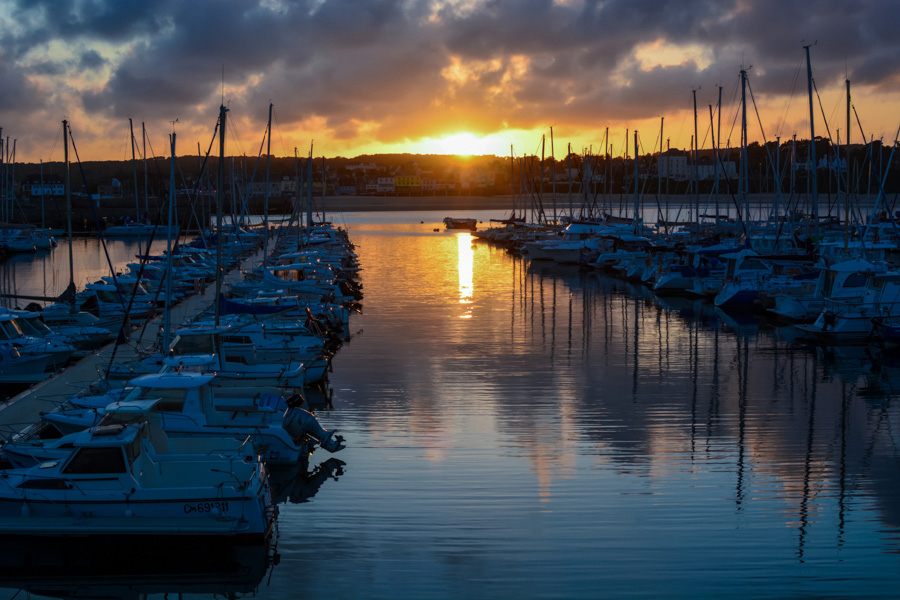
465	77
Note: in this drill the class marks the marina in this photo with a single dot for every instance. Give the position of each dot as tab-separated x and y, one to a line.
442	300
518	427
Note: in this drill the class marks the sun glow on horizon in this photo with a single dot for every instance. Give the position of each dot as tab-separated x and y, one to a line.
460	144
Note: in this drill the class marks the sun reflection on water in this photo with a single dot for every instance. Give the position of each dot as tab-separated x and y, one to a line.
466	273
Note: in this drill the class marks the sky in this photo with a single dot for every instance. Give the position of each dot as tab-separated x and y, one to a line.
354	77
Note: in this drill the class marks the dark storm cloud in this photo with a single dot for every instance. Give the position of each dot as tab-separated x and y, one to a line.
42	21
91	60
16	90
519	63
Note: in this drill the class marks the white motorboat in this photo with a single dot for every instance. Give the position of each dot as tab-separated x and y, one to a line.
80	337
191	407
124	477
28	345
854	320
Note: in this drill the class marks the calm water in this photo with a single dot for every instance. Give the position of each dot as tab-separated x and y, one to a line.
540	432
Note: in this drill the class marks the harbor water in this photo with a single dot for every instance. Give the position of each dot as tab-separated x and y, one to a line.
520	430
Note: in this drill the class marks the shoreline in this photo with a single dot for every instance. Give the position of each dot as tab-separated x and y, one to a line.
111	210
412	203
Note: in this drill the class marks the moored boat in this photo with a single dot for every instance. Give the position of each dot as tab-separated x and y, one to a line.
458	223
122	478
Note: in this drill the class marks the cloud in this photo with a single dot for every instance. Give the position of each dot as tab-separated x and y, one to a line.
386	71
91	59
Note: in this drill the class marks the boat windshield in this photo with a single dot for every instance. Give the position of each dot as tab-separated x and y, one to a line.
9	331
192	344
108	297
170	399
33	327
97	460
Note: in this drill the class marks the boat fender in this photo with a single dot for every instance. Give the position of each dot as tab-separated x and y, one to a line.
829	319
298	422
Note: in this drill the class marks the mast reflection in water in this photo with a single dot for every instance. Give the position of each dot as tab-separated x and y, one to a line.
574	436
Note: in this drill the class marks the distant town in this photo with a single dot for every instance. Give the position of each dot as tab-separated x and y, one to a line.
116	184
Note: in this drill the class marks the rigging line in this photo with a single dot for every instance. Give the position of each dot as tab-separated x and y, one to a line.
684	121
737	113
236	137
126	149
159	206
122	336
860	167
706	135
280	137
756	110
869	152
831	143
881	183
770	160
659	210
822	110
96	220
55	144
155	162
248	194
790	97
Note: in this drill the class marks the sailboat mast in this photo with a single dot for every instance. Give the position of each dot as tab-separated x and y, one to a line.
220	201
297	194
715	149
137	208
167	316
541	186
718	137
512	179
658	174
637	197
745	167
146	192
266	207
324	187
309	174
847	154
12	180
553	176
569	178
2	180
42	194
71	287
607	170
696	159
814	190
778	176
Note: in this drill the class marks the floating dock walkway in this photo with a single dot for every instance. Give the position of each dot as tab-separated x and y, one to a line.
22	410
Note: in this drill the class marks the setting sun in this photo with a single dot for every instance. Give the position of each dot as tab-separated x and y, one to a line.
461	144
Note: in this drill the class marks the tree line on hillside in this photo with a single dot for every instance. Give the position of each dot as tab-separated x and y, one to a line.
865	164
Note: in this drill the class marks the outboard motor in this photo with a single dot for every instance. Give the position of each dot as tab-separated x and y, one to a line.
299	422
